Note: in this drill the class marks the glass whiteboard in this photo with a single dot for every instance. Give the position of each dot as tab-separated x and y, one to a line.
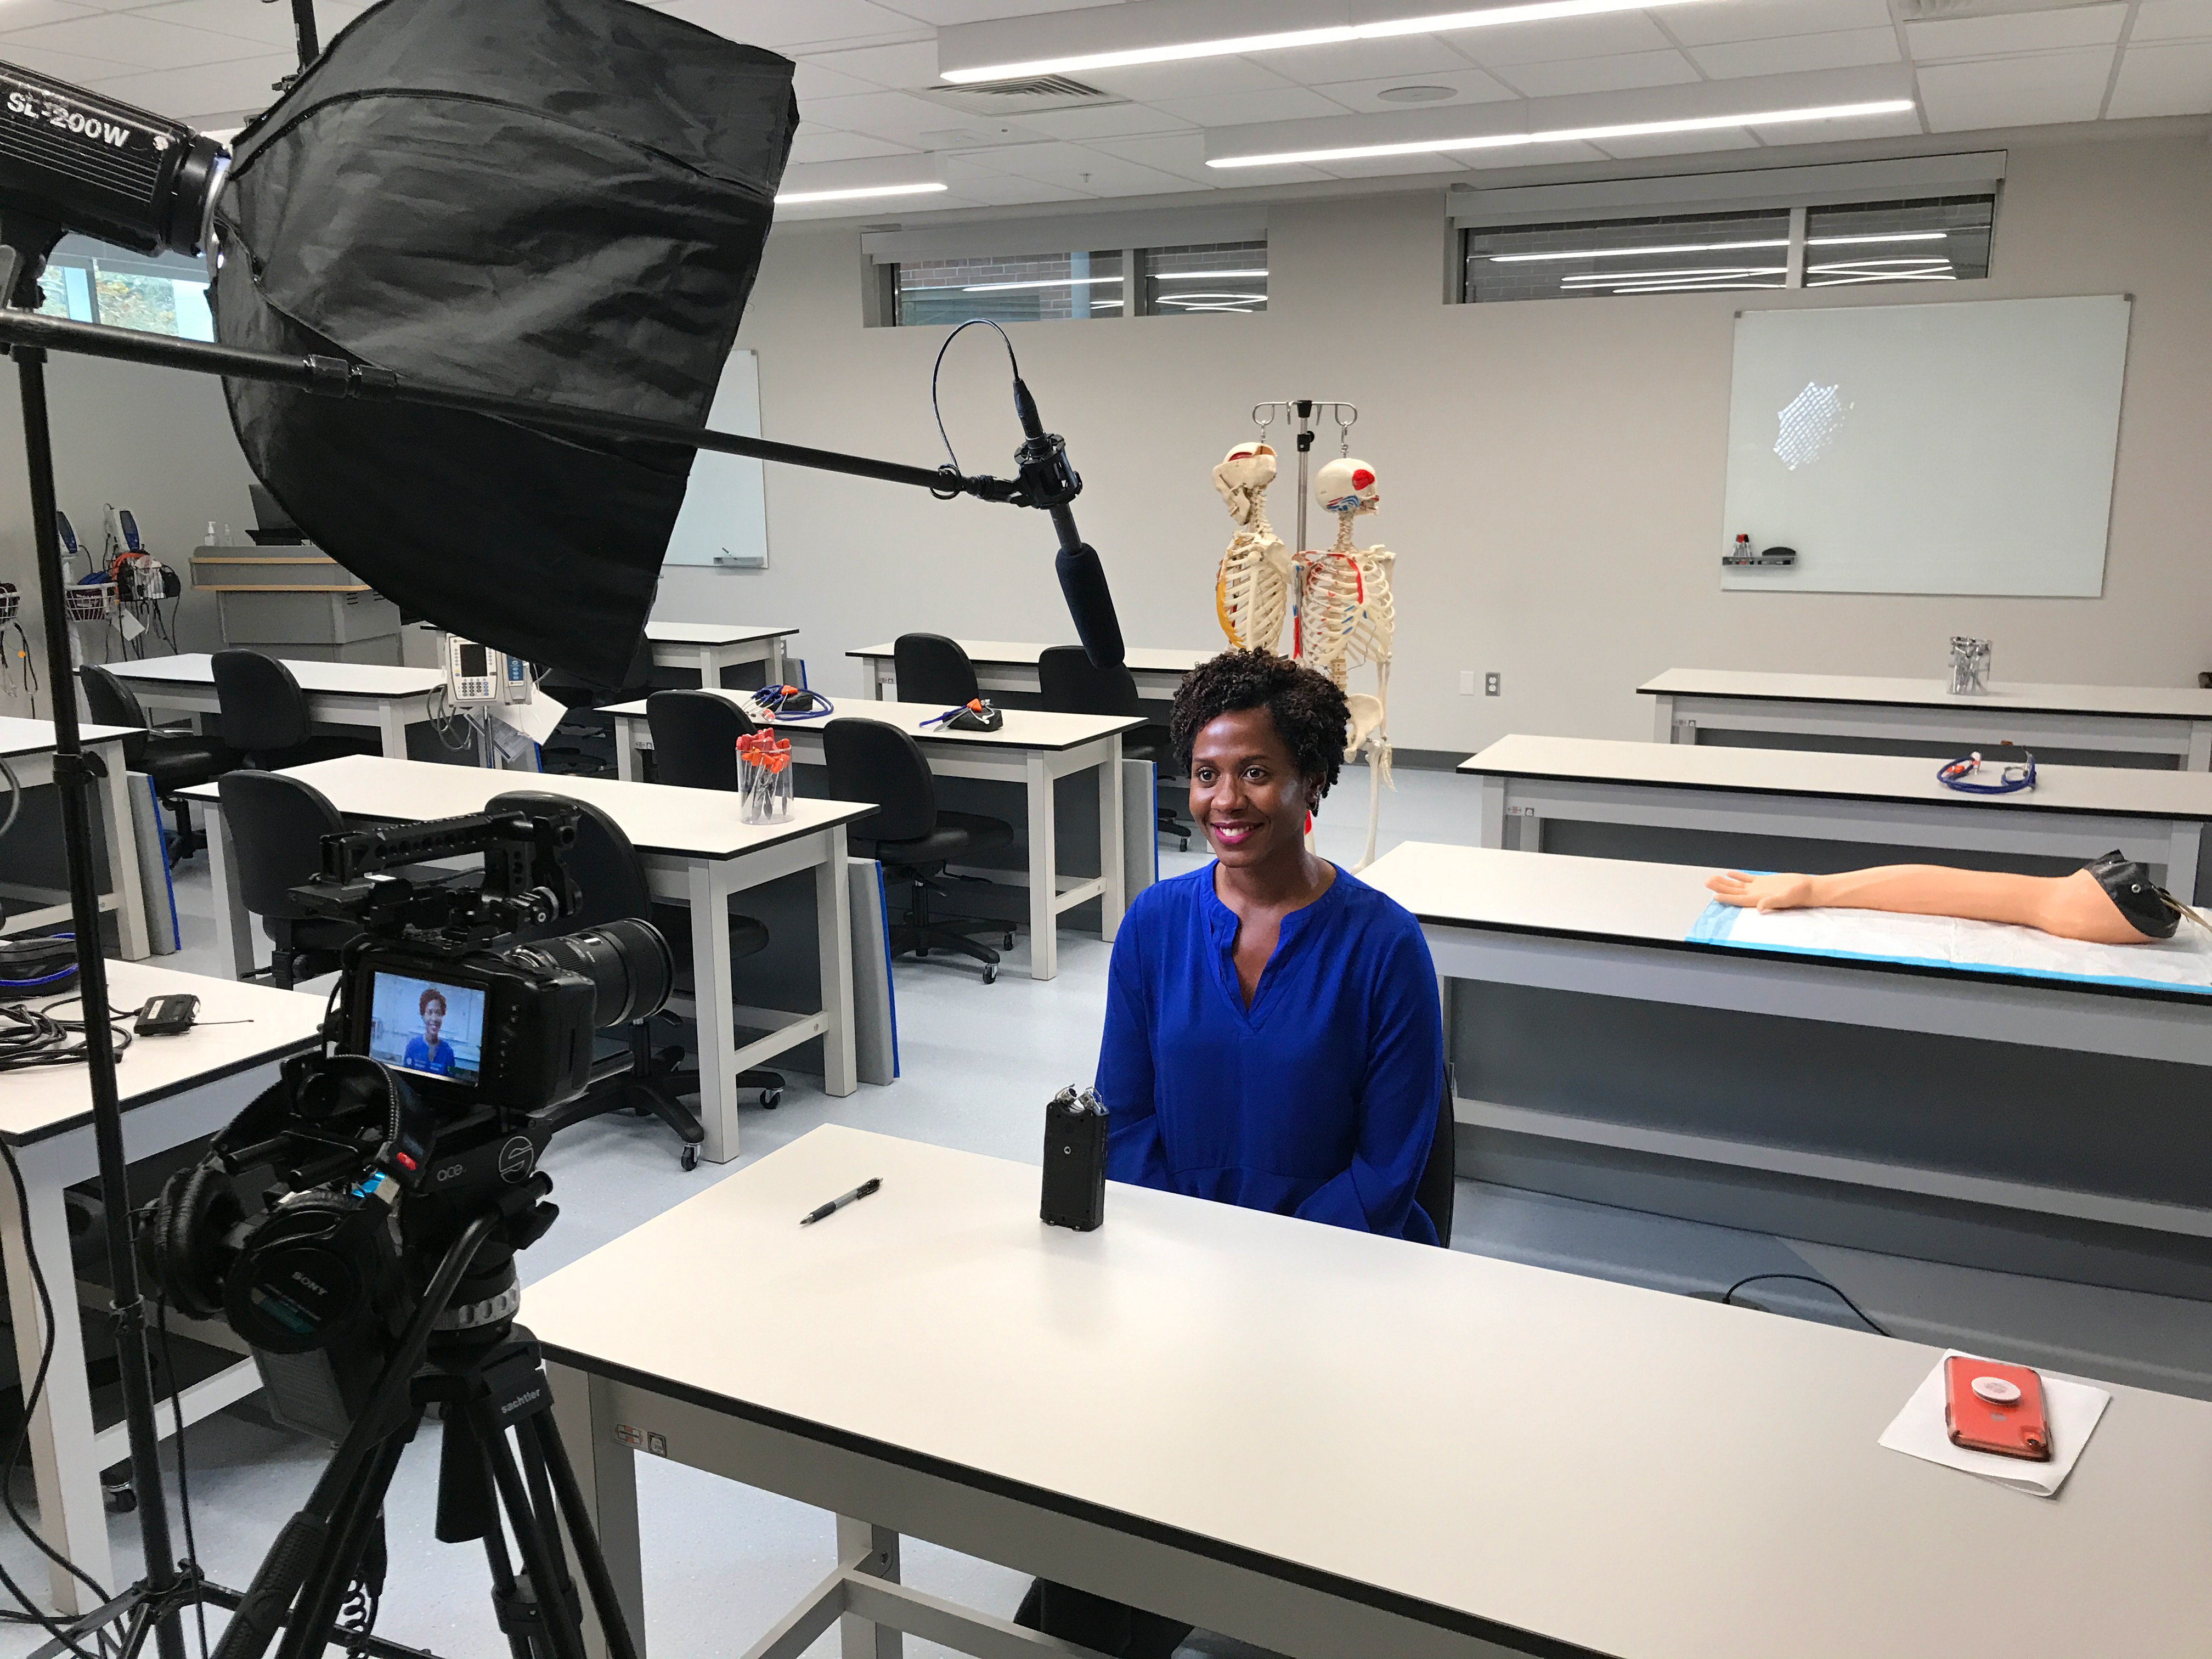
724	519
1957	448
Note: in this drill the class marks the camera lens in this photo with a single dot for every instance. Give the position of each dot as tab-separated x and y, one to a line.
629	964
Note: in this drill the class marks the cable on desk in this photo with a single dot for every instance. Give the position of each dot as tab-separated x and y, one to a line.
33	1036
1728	1296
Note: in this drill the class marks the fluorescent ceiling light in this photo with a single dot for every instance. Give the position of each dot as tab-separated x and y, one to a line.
1439	23
1195	276
1882	236
1574	135
795	198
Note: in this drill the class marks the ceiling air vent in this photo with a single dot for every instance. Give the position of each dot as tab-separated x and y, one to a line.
1033	96
1930	11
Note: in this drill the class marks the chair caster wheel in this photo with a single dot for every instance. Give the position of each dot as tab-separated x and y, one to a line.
690	1156
770	1099
990	973
1009	944
1182	844
118	1500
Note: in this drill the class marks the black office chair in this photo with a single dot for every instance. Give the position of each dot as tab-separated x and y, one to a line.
583	744
695	739
277	825
264	715
174	760
906	833
1439	1183
615	888
933	669
1071	684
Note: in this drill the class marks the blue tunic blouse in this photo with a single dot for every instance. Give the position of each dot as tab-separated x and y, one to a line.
1320	1100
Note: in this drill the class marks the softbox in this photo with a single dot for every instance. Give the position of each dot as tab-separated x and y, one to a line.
563	199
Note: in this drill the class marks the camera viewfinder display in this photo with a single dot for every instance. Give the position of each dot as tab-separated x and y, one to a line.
426	1025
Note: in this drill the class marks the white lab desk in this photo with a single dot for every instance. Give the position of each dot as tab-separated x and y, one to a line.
1887	800
173	1089
696	852
28	748
1033	749
708	649
1332	1444
385	699
1614	928
1012	666
2139	725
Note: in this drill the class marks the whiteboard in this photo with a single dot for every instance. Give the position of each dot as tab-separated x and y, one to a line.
724	519
1958	448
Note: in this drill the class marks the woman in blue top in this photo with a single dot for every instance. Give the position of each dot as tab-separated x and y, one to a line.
1273	1037
430	1052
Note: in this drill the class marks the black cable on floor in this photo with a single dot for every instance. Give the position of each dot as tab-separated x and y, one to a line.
183	1473
1728	1296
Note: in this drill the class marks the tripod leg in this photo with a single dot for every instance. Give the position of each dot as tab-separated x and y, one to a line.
541	1437
308	1629
564	1634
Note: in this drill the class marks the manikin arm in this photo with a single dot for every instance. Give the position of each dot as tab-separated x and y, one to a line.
2070	906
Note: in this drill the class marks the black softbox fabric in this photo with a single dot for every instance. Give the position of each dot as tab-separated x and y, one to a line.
563	199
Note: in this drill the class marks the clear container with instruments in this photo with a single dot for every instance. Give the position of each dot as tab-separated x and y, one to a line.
764	777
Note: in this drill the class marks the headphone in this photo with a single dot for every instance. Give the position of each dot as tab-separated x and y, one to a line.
2013	775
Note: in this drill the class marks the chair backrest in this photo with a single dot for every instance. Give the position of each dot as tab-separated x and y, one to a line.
933	669
604	862
1439	1182
278	826
262	709
111	702
695	739
869	760
1073	684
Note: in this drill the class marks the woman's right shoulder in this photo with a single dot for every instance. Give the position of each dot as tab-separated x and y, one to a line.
1168	906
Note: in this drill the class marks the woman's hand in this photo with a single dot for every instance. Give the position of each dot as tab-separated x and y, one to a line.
1779	892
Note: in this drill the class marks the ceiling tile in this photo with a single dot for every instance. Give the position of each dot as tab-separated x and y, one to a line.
1236	108
842	147
1904	125
2173	19
1362	60
1635	68
812	81
1679	143
1469	85
1764	20
895	115
1785	55
913	63
67	66
1105	121
1148	83
1534	155
980	11
1609	34
135	39
2173	77
244	20
999	189
29	13
1184	153
1390	166
794	22
245	84
2052	86
1075	166
1992	37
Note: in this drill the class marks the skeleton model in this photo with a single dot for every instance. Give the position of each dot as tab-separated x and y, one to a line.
1251	591
1346	618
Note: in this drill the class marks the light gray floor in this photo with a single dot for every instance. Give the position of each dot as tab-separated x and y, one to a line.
723	1562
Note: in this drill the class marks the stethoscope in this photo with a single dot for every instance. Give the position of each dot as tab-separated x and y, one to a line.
2014	777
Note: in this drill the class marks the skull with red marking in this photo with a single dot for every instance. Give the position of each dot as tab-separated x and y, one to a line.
1348	486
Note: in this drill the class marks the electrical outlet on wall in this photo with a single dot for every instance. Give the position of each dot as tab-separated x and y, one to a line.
1493	684
1466	682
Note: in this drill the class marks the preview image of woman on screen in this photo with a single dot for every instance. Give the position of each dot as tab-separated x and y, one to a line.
422	1026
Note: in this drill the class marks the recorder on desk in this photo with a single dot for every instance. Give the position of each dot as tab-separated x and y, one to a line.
1074	1160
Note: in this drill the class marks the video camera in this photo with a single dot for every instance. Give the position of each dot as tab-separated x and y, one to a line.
419	1124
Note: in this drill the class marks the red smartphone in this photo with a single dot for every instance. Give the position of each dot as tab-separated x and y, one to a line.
1988	1407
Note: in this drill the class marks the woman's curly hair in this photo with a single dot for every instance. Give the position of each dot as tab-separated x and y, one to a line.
1307	710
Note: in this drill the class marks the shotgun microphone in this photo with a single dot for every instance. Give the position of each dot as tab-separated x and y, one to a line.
1049	482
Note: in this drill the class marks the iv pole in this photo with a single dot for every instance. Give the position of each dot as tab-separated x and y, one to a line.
1300	412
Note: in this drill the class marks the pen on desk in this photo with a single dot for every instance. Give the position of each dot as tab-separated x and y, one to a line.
839	1203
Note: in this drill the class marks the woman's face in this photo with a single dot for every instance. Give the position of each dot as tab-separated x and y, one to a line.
434	1016
1245	790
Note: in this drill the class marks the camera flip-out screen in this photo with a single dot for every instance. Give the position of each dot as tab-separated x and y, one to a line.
426	1025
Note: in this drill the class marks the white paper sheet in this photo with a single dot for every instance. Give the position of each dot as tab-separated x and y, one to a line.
2073	1409
2184	962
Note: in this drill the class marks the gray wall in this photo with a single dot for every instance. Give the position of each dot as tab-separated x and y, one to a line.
1551	471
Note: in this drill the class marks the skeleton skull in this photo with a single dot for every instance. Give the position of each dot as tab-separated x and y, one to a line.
1242	479
1348	486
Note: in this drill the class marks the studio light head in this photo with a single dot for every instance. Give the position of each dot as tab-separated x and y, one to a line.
73	160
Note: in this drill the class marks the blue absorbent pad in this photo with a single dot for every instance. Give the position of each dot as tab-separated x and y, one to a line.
2183	963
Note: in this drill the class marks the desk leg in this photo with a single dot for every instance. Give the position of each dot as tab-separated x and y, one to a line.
1113	856
626	766
1662	707
606	1472
391	729
777	673
64	1468
710	670
879	670
2199	757
235	939
1044	874
876	1550
833	913
122	833
712	985
1493	813
2187	840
